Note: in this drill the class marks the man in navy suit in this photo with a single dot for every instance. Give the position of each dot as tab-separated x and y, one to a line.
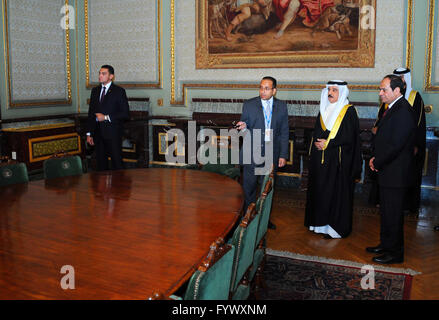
270	116
393	160
108	109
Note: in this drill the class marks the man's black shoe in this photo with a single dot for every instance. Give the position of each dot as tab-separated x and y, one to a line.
271	225
376	250
388	258
436	228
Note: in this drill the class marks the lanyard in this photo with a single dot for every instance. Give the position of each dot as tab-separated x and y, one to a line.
268	113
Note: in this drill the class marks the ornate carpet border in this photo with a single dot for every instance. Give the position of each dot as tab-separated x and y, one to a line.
344	263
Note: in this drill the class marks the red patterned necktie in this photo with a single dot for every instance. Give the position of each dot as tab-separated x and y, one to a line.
102	94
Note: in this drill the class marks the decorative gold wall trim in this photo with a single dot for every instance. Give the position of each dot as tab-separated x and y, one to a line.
429	86
289	87
173	53
125	160
87	51
291	152
157	85
40	127
8	81
165	135
68	71
5	51
286	174
163	124
166	138
130	150
409	35
78	96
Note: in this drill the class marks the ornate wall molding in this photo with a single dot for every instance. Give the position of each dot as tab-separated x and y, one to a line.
37	53
409	36
136	27
309	108
431	75
173	101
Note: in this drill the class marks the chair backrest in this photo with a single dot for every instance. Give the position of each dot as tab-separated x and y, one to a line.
13	174
269	175
62	167
264	209
244	241
212	279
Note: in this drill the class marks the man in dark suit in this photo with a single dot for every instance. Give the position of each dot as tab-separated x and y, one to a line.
108	109
270	116
413	197
393	159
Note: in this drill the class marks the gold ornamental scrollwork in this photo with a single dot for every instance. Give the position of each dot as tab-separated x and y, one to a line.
431	27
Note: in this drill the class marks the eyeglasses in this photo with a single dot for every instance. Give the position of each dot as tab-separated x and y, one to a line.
265	89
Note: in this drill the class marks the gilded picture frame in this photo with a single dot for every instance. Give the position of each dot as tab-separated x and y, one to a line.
342	35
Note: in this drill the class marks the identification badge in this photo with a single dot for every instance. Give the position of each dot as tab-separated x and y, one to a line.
268	133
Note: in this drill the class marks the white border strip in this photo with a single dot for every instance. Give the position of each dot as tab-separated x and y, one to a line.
345	263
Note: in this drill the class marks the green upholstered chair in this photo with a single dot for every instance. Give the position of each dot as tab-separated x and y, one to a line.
264	209
13	174
244	239
212	279
62	167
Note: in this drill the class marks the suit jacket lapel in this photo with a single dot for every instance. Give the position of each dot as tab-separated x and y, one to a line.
389	113
260	113
275	112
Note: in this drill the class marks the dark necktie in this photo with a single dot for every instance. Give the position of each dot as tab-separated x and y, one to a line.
102	94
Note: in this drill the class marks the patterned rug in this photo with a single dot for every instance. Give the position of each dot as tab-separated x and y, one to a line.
289	276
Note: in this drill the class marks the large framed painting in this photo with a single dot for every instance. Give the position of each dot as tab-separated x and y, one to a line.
285	33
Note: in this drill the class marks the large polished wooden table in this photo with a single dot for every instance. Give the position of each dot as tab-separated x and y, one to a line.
127	234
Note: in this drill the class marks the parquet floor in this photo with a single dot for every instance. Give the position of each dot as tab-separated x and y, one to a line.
421	241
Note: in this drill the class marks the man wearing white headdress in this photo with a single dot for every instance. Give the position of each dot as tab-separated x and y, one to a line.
413	198
335	164
415	100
